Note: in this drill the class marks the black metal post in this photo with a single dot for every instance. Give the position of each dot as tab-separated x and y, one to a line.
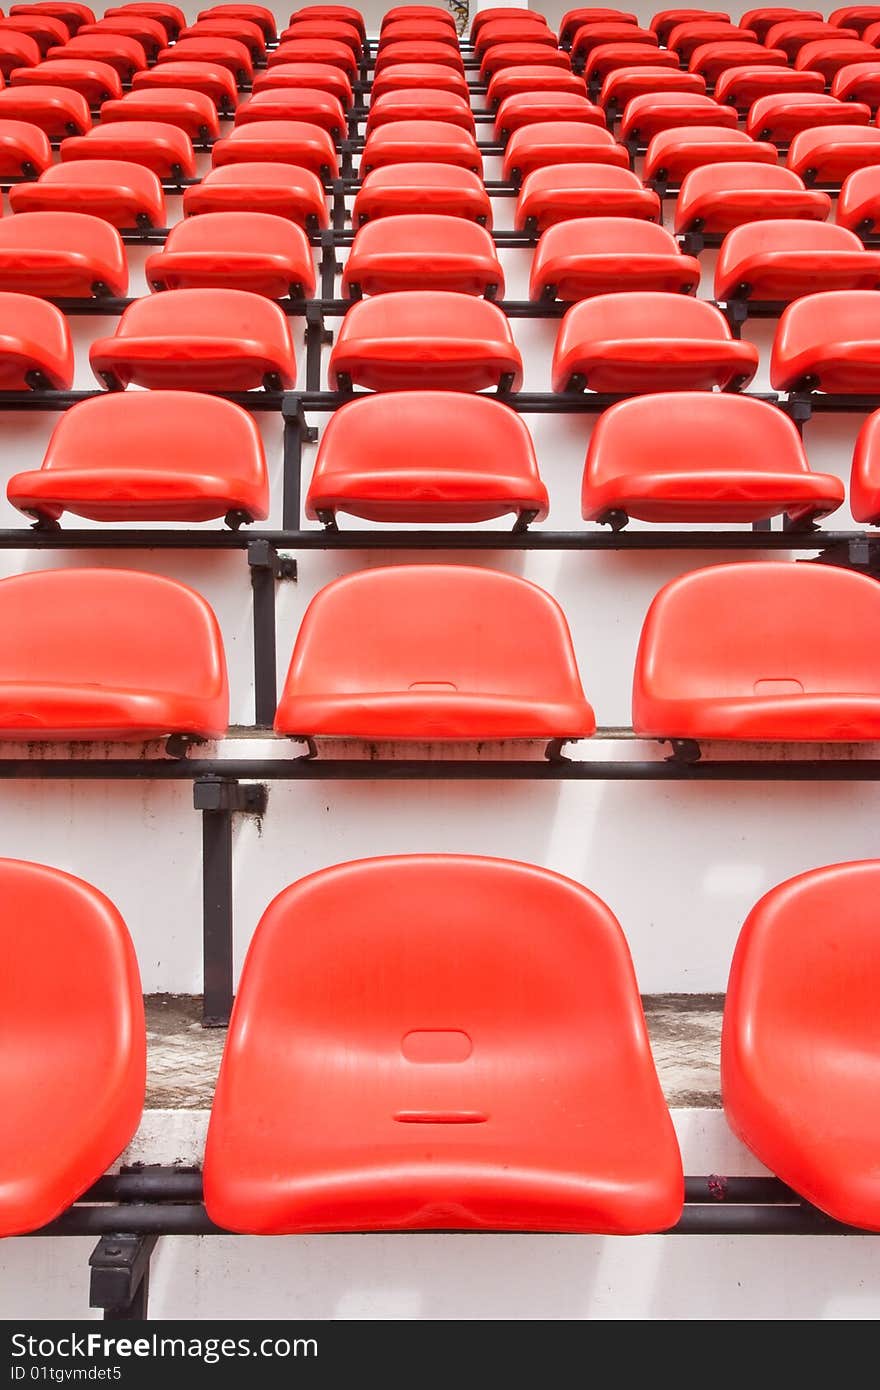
119	1281
266	565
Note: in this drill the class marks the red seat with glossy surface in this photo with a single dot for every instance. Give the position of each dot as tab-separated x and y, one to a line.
864	484
828	56
829	342
426	457
322	77
281	189
762	21
608	57
441	54
321	30
348	13
93	80
858	206
779	118
407	142
631	343
251	35
503	31
171	17
560	142
800	1070
717	197
202	340
433	653
574	19
858	82
856	17
648	115
43	29
234	250
421	251
251	14
790	656
518	55
35	348
530	108
68	11
192	112
562	191
594	255
740	86
125	56
149	33
408	31
17	51
415	104
827	155
664	21
149	456
780	261
429	188
223	53
24	149
691	34
717	458
672	154
420	77
122	656
512	81
496	1072
791	35
588	37
209	78
123	194
423	338
164	148
711	60
400	13
280	142
55	111
295	104
623	84
61	255
519	12
73	1053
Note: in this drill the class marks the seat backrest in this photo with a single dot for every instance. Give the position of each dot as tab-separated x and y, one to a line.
579	176
426	232
239	232
831	316
632	315
612	236
778	235
209	313
425	315
73	232
746	173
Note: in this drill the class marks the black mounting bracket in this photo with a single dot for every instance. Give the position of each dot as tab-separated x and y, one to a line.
266	566
297	432
119	1280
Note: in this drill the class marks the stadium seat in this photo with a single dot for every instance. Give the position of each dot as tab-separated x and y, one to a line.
575	19
295	104
858	82
762	21
674	153
781	261
533	1105
221	53
413	104
421	77
717	197
69	12
858	206
409	31
169	16
425	457
588	37
322	77
24	150
440	54
326	30
632	343
712	60
717	458
201	340
43	29
791	35
830	153
125	195
93	80
251	35
864	484
422	251
344	12
560	142
149	33
645	116
741	86
691	34
149	456
828	56
252	14
408	142
437	188
282	189
17	51
122	656
211	79
482	17
433	653
36	352
530	108
779	118
61	255
829	342
562	191
799	1060
431	13
234	250
537	78
425	338
280	142
608	57
519	55
856	17
596	255
665	21
73	1057
623	84
331	51
495	32
192	112
57	112
125	56
790	657
164	148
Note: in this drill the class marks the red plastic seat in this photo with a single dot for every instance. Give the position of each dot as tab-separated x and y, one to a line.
608	57
251	14
164	148
712	60
411	104
201	340
560	142
323	30
344	12
575	19
17	51
741	86
623	84
125	56
856	17
422	251
251	35
858	206
688	36
503	31
665	21
828	56
429	188
646	116
534	1106
781	261
829	154
632	343
563	191
762	21
596	255
433	652
828	342
93	80
69	12
61	255
717	197
73	1059
674	153
222	53
235	250
588	37
408	142
791	35
210	79
864	484
530	108
149	33
281	189
302	104
192	112
121	656
494	12
57	112
404	13
329	52
517	55
24	150
36	352
790	656
858	82
426	456
799	1064
169	16
279	142
717	458
43	29
322	77
425	338
149	456
533	78
420	77
409	31
780	118
123	194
